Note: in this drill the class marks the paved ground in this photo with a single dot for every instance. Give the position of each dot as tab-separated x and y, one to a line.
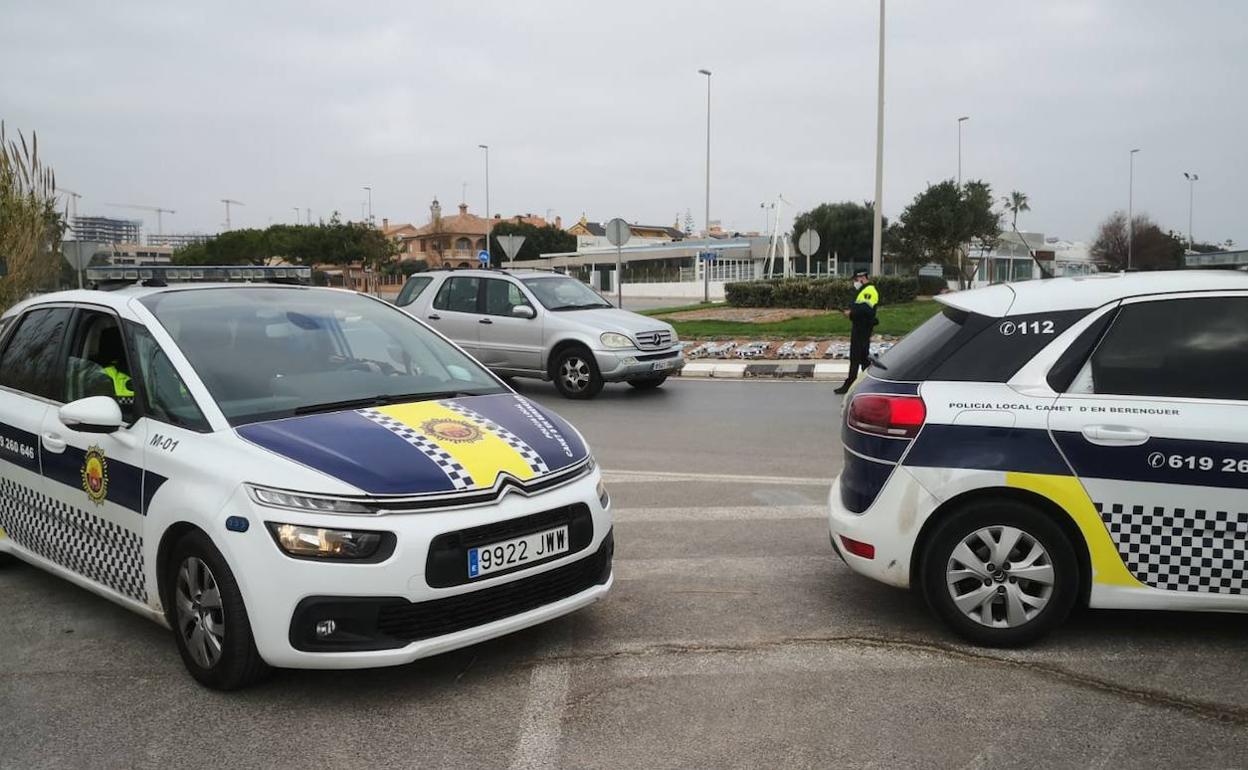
733	638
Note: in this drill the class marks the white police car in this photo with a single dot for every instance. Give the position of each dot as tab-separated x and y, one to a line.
1049	443
287	476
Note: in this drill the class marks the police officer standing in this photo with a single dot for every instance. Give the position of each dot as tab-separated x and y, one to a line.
862	317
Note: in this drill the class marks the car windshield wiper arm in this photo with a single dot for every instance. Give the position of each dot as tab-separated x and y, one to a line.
584	306
378	400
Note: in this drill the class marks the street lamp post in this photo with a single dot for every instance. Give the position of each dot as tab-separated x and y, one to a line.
706	279
877	232
1191	198
1131	209
961	120
370	204
488	220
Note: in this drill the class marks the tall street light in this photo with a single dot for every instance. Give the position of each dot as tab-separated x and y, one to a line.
877	234
708	150
370	203
488	220
1131	210
1191	197
961	120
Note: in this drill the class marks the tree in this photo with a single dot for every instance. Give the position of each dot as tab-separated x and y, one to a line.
30	227
1016	203
944	220
334	242
1152	249
845	230
547	239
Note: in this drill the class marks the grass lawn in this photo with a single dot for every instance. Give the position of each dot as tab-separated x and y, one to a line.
895	320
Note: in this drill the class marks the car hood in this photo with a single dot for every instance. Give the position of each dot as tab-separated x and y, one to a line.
427	447
614	320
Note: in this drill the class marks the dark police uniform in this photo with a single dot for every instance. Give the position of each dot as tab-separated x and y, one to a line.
863	320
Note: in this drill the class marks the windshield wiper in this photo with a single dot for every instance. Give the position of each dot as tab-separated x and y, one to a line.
585	306
378	400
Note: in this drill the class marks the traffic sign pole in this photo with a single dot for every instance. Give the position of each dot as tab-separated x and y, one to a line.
618	233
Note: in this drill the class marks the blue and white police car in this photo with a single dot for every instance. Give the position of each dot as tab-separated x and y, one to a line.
284	475
1045	444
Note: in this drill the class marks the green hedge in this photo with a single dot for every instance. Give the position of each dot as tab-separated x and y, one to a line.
817	293
932	285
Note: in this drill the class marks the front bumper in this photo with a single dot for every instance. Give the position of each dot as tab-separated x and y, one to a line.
633	364
890	525
392	612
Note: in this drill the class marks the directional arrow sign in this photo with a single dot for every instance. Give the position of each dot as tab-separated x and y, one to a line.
808	243
511	244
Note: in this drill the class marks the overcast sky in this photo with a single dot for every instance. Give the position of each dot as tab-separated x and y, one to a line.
598	108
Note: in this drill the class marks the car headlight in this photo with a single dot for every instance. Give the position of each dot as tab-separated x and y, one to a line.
675	336
615	340
277	498
603	498
320	543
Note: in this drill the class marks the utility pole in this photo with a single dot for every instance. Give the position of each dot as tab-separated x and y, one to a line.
1131	210
298	219
370	204
708	153
1191	199
877	235
489	221
961	120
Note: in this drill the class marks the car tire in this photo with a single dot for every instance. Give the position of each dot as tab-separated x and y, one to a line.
1000	602
649	383
576	374
6	559
208	618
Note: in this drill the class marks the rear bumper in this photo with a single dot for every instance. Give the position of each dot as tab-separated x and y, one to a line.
631	364
890	525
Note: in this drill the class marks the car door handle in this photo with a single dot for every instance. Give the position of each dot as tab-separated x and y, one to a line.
435	317
54	443
1114	435
484	321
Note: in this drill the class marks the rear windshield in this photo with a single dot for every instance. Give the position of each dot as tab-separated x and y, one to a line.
960	346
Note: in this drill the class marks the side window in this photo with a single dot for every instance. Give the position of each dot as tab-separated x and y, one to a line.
97	364
1186	348
458	294
164	394
30	360
412	289
501	296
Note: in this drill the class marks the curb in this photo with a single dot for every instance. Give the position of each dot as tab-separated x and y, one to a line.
791	370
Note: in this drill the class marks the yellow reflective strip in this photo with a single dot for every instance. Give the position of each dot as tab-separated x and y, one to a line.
483	454
2	535
1069	494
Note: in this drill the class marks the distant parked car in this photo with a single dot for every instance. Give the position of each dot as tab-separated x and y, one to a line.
544	325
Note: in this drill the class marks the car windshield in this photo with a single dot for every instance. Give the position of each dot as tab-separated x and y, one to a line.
270	352
563	293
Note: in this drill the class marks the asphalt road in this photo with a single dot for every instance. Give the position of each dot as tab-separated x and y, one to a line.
733	638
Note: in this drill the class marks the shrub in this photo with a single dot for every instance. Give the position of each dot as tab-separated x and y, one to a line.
817	293
931	285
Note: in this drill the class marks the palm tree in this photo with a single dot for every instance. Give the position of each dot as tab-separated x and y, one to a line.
1016	203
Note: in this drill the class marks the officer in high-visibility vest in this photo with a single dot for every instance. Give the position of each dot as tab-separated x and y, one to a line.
114	354
862	317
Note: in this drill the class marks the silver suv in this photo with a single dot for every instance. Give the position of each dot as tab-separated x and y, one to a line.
545	325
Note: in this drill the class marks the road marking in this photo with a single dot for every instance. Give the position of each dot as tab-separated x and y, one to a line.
721	568
541	724
651	477
721	513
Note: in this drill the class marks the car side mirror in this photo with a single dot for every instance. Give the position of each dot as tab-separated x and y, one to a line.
523	311
94	414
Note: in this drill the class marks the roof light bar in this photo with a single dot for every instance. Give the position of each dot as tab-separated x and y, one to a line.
206	274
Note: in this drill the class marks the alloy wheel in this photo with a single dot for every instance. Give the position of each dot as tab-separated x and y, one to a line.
201	618
575	373
1000	576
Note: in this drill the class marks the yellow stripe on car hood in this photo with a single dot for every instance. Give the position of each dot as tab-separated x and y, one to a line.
476	444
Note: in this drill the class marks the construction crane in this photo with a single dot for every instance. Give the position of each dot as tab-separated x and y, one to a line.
73	204
160	224
228	202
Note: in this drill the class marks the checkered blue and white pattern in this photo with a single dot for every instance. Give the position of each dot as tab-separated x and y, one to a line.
530	455
458	475
1179	549
74	538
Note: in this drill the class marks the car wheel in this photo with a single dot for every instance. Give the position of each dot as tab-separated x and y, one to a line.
6	559
649	383
576	374
1000	573
208	618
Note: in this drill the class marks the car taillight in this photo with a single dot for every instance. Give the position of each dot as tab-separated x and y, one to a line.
887	415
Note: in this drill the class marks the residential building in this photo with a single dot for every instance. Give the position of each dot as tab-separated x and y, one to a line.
449	241
107	229
178	240
593	235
